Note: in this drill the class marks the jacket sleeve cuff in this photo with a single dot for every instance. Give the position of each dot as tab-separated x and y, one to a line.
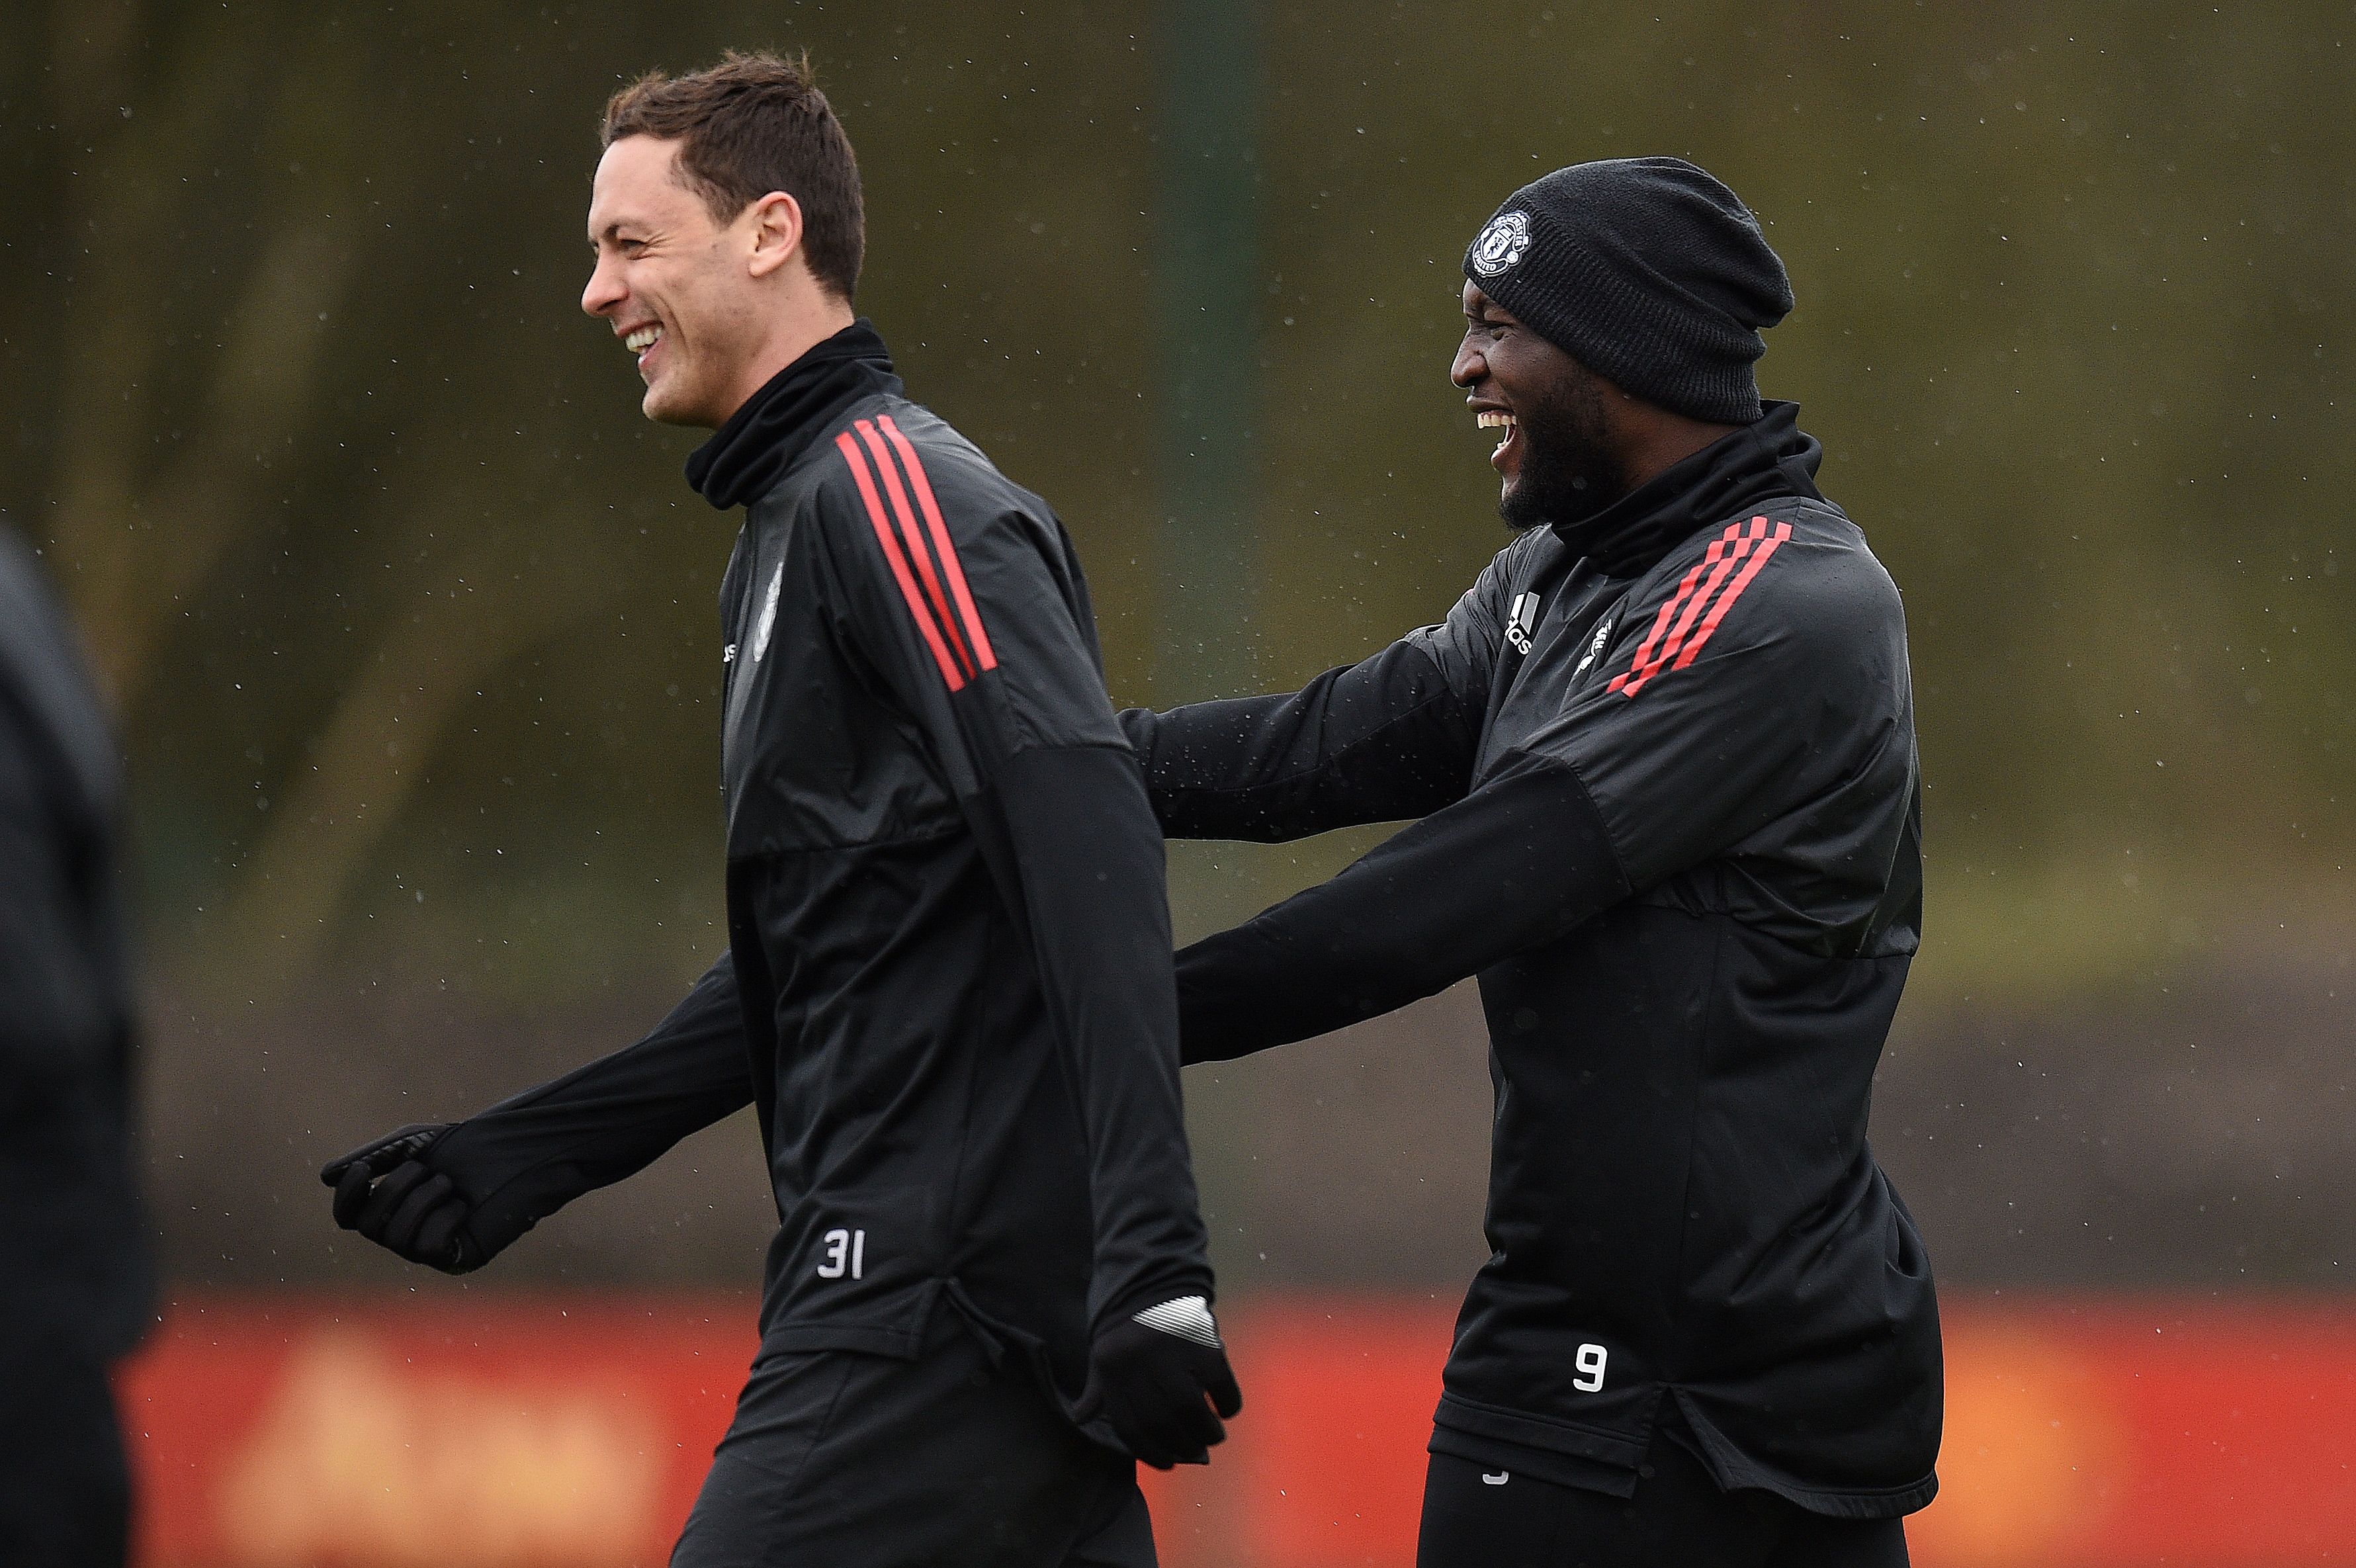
1164	1287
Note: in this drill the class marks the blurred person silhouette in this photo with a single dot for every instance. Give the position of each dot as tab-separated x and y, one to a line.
75	1293
1662	753
949	989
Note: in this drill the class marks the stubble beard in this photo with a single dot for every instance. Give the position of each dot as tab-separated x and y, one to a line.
1571	468
677	402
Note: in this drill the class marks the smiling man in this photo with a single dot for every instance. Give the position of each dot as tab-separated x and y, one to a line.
947	991
1663	753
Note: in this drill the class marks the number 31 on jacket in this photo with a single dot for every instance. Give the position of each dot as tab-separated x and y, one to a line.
846	1254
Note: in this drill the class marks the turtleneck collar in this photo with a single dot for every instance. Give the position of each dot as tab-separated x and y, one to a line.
1769	458
793	408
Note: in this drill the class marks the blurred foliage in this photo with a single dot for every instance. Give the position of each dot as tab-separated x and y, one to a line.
411	618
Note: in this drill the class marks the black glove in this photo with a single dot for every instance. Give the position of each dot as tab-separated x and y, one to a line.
1148	1379
385	1191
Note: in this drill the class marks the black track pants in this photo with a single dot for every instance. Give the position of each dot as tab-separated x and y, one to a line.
860	1460
1472	1520
65	1489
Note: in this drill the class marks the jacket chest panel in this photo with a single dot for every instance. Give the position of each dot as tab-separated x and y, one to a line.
766	653
813	753
1558	637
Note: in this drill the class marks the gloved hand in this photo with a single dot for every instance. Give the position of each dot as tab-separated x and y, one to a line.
1148	1379
385	1191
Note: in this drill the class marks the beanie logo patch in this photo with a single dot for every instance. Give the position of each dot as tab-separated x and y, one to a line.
1501	244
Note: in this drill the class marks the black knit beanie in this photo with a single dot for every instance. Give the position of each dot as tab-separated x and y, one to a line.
1646	271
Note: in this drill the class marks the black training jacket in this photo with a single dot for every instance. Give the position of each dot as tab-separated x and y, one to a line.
949	984
71	1225
1665	770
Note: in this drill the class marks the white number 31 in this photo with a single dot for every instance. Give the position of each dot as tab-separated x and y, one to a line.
846	1254
1590	1361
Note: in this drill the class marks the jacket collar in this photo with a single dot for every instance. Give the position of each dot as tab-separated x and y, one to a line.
1770	458
797	405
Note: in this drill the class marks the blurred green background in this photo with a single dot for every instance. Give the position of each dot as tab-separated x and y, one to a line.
410	618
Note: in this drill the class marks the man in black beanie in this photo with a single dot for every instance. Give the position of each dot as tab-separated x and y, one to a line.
1663	753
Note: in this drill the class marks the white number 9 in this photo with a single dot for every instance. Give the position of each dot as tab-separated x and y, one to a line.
1590	1361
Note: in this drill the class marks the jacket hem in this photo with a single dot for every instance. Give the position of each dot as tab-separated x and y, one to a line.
903	1341
1734	1471
1549	1465
901	1344
1526	1430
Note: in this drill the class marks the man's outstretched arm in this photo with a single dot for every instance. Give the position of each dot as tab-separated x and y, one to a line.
1390	737
1521	860
1640	776
453	1195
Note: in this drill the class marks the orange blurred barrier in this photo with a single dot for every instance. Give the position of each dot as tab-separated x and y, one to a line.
2116	1434
289	1433
522	1432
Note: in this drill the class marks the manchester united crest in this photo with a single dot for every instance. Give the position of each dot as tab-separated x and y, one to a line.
1501	244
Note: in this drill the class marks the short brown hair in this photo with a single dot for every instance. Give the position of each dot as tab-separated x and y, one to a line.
749	125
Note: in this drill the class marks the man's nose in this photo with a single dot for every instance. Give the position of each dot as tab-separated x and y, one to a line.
604	292
1470	366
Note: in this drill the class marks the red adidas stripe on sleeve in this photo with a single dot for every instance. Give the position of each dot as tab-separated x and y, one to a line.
917	551
1718	612
925	625
951	568
1666	646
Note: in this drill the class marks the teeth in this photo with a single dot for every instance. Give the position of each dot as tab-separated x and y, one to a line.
1496	419
638	342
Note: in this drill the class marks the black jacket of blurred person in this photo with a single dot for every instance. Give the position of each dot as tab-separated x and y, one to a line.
74	1288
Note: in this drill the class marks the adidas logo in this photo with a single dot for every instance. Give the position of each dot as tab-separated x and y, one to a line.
1522	621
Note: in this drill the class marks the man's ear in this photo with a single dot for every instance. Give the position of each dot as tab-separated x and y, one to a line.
776	232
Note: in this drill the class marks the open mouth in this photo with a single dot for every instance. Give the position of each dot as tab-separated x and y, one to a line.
1499	420
642	342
